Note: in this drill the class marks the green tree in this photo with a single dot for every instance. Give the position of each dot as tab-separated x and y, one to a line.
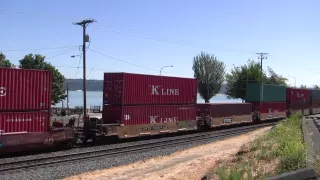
239	77
209	72
37	61
316	87
4	62
303	86
275	78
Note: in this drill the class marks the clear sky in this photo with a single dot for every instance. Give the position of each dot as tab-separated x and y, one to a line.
155	33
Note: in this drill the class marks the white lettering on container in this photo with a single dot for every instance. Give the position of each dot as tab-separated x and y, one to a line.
19	120
3	91
162	120
300	95
126	117
163	91
154	90
41	118
153	119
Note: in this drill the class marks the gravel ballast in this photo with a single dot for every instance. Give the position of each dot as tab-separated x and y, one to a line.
69	169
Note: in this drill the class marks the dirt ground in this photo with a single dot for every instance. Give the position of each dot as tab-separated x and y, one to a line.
188	164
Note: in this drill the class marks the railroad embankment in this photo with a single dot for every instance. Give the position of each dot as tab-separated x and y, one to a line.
280	150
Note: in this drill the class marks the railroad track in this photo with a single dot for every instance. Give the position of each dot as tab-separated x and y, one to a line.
72	157
316	120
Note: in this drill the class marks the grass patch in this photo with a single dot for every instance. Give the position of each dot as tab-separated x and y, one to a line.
317	165
280	150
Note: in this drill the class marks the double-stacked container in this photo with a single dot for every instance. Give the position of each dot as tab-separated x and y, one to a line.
25	100
136	99
269	100
298	99
315	101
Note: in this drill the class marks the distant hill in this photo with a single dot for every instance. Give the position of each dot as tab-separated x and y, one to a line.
97	85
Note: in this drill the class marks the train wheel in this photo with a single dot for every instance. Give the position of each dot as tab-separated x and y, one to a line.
67	145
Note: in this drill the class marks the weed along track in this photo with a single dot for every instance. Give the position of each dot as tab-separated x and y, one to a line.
129	149
279	151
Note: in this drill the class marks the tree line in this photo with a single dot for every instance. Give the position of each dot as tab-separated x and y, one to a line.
211	73
208	69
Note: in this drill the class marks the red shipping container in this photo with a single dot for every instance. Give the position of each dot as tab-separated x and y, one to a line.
298	95
22	90
138	115
225	109
24	121
298	105
138	89
268	107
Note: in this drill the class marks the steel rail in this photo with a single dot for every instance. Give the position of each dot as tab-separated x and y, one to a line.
32	163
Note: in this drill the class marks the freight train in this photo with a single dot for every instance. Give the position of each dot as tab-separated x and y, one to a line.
134	105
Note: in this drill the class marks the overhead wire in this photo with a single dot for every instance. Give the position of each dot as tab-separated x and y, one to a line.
61	53
166	39
39	49
110	57
19	12
78	65
117	59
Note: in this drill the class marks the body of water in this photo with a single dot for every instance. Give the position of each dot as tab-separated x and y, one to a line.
94	98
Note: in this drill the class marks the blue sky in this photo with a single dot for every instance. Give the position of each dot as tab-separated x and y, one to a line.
153	34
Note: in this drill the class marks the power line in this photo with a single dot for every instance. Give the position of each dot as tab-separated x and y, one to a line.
90	72
38	49
130	62
121	60
151	36
78	66
19	12
61	53
166	39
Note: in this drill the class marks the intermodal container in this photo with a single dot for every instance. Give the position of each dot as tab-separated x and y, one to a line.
269	107
11	122
298	105
270	93
316	104
316	107
148	114
24	90
298	95
315	95
225	109
138	89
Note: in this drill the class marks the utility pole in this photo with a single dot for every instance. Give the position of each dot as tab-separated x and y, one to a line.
261	57
68	99
84	25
